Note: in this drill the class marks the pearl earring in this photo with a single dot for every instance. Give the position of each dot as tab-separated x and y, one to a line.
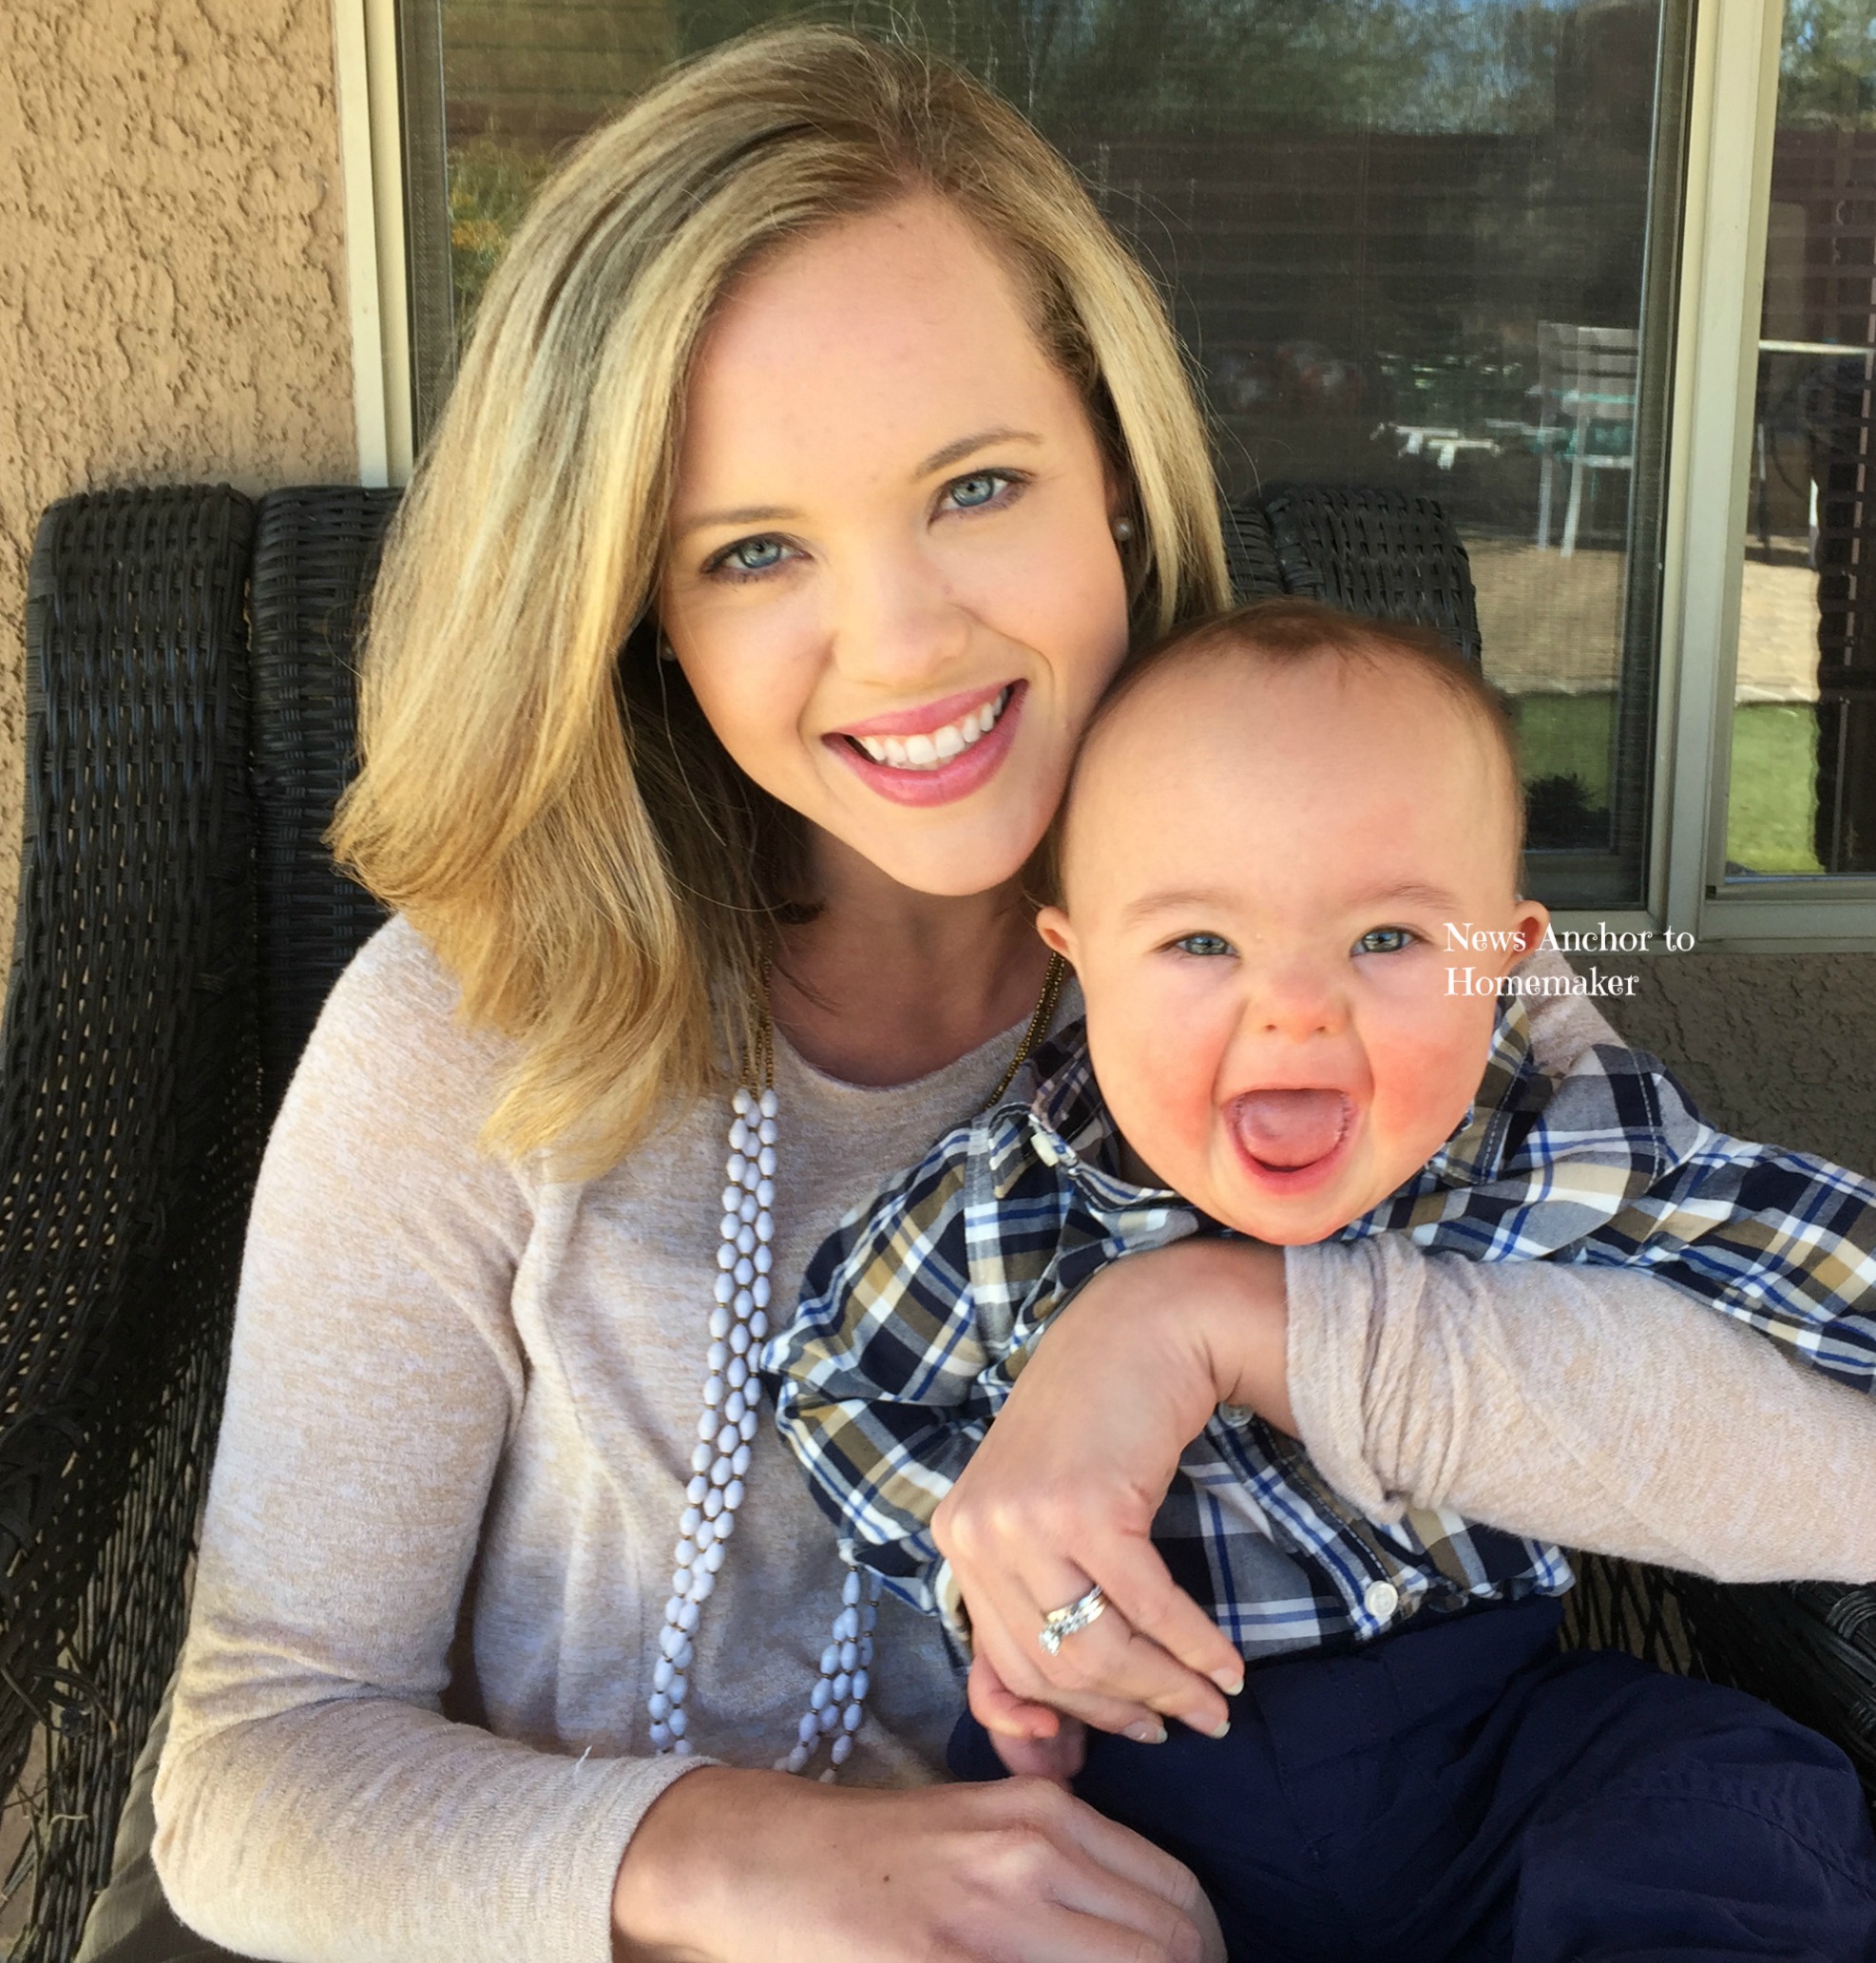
1123	530
665	651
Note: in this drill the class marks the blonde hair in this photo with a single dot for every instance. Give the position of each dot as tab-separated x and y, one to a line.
539	796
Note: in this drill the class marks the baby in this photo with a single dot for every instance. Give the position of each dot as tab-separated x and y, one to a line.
1278	822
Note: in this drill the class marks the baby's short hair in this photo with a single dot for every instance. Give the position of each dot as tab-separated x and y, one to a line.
1289	632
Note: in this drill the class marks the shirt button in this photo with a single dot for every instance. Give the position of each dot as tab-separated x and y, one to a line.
1381	1598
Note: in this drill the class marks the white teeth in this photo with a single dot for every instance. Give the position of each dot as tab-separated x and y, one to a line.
928	751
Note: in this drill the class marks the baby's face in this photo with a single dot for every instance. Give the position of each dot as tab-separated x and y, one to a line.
1259	870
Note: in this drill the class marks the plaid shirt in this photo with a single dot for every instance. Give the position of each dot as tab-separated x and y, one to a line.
917	1313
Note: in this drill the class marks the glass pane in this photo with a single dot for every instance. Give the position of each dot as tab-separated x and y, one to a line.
1416	242
1802	792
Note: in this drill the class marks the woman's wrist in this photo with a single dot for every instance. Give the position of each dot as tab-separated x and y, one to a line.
1207	1317
1233	1294
671	1878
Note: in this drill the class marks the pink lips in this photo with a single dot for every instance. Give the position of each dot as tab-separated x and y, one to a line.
950	782
1291	1139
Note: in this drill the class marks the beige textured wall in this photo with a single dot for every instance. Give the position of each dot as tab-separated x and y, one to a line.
172	271
1778	1047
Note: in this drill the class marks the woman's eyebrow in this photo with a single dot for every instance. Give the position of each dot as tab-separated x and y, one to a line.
744	514
956	452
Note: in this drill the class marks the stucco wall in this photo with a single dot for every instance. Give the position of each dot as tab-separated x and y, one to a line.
172	284
1779	1046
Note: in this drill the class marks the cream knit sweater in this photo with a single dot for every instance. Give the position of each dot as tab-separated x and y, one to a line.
411	1718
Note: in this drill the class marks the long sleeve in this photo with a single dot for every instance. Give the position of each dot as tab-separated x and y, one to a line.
313	1801
1596	1407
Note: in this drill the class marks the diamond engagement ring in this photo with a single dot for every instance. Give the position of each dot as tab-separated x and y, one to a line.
1058	1623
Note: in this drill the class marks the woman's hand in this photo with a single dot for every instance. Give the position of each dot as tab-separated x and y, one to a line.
1065	1489
728	1866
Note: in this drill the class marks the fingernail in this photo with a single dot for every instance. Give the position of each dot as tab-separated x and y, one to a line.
1202	1723
1145	1734
1230	1682
1223	1729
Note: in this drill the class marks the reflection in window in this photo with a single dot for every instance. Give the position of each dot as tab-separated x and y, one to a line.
1417	242
1802	792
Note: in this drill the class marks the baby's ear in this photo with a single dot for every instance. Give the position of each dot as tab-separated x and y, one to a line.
1530	920
1052	924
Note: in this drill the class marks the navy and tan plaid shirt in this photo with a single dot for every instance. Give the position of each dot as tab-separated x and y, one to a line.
917	1313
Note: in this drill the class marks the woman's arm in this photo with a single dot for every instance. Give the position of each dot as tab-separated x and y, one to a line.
315	1804
1594	1405
313	1801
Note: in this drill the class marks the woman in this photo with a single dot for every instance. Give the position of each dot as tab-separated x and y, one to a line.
817	460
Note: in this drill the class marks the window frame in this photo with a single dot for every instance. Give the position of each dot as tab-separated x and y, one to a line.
1734	117
371	133
1732	91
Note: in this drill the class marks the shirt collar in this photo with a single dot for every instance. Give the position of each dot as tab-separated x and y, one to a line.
1054	1110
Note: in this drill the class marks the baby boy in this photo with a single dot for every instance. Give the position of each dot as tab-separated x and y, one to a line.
1277	822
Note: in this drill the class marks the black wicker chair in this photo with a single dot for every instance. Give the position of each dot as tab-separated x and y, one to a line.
190	726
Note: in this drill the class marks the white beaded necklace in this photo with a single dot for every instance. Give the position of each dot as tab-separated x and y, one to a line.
726	1429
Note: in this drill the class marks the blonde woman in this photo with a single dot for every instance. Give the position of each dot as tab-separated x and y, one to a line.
817	459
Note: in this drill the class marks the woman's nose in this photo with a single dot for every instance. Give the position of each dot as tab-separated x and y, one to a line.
894	623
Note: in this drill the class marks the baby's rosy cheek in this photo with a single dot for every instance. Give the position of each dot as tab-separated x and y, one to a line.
1158	1087
1425	1081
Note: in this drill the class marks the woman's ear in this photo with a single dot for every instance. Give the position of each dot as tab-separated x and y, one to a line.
1052	924
1120	506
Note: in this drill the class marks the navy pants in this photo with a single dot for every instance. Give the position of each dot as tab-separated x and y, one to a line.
1466	1792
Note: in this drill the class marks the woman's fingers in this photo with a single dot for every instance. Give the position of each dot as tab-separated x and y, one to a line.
1137	1583
1107	1660
1106	1894
1130	1884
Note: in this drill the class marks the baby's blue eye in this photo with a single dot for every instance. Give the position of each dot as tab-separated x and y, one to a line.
1204	944
753	555
1384	940
967	494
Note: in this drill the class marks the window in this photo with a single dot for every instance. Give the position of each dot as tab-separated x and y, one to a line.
1482	249
1802	782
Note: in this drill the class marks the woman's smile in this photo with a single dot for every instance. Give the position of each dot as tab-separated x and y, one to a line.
935	754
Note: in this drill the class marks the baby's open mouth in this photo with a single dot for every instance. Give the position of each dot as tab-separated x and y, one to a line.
932	749
1284	1130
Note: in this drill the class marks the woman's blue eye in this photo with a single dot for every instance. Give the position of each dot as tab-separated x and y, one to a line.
1384	940
1204	944
968	493
753	554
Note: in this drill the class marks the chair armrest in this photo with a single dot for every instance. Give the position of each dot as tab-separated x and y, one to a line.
129	1136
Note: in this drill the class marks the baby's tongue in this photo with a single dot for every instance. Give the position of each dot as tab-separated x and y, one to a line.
1289	1127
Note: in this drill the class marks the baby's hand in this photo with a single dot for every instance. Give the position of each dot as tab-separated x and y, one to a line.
1030	1739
